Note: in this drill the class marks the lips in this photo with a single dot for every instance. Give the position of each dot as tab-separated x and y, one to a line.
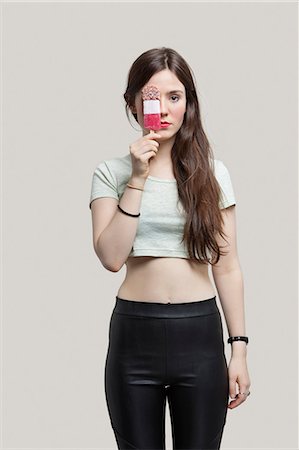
165	123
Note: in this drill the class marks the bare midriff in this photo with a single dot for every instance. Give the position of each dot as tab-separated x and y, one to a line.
166	280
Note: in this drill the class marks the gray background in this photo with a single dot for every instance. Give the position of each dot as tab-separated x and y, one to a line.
64	69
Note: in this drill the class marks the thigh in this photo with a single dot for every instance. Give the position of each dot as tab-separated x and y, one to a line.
134	386
199	392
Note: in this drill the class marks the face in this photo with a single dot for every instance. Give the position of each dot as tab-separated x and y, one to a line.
172	103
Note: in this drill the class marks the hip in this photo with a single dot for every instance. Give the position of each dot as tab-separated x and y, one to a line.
152	333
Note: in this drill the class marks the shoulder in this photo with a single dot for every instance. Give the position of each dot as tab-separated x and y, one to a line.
224	180
108	177
119	168
118	163
220	169
221	173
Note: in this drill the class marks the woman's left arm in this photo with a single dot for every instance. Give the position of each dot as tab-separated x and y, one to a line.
228	280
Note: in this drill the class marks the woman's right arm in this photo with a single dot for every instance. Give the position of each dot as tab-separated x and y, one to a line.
113	231
114	243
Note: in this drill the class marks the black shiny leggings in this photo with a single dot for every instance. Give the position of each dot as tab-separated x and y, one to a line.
166	350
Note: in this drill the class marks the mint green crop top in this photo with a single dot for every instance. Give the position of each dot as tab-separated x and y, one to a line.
161	221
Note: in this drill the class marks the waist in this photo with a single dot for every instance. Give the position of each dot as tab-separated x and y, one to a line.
166	310
172	279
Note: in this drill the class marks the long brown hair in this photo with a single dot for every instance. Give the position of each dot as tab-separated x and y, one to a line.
191	155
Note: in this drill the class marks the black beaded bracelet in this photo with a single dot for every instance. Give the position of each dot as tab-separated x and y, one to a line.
128	214
238	338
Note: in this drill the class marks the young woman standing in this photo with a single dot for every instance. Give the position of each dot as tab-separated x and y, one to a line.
166	209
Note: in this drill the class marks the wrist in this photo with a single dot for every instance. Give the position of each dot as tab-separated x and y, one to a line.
137	181
239	349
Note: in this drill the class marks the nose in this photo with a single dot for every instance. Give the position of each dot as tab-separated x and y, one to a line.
163	107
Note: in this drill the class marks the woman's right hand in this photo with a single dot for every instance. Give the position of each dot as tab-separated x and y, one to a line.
141	151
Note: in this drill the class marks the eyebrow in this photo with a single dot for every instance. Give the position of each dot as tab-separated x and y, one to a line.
173	92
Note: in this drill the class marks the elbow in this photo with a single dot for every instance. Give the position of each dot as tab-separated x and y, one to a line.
108	265
226	270
225	267
115	267
108	261
111	268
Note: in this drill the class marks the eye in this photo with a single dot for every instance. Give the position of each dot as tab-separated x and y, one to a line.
177	96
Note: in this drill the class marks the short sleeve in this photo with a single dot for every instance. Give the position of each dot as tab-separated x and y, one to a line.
227	191
104	183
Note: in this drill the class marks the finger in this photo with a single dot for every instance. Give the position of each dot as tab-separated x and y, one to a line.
234	403
232	388
243	390
152	135
240	398
150	145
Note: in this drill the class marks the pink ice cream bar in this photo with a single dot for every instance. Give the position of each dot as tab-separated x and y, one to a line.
151	107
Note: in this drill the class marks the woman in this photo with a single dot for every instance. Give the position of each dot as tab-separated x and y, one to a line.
167	210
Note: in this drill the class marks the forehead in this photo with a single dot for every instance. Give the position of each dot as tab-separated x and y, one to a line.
166	81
